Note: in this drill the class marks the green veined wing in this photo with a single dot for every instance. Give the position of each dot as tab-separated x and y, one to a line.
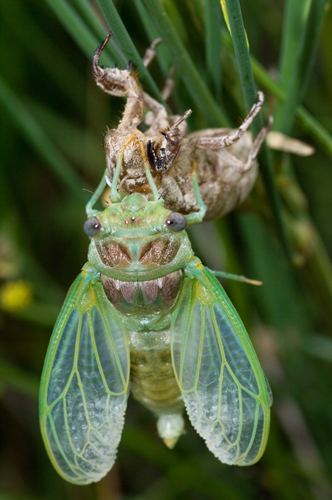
84	386
224	389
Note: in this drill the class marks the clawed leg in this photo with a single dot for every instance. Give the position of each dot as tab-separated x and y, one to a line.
227	140
113	81
120	83
151	52
238	164
169	84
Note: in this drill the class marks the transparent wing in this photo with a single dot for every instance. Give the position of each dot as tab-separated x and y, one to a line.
223	386
83	394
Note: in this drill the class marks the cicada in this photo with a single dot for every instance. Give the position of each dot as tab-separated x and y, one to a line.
145	316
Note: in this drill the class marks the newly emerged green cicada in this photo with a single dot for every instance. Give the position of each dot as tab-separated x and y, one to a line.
146	316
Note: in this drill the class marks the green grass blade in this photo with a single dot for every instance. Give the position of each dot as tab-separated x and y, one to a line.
163	58
213	42
249	93
243	59
293	25
37	138
118	28
91	18
302	68
195	85
77	29
20	380
39	43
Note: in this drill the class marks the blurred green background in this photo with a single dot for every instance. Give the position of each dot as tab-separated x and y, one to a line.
53	118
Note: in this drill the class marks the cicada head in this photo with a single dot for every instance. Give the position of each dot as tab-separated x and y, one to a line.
138	240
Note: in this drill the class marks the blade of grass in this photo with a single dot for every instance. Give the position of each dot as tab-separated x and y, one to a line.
118	28
38	313
250	96
20	380
79	144
92	19
284	119
293	25
305	119
213	43
79	31
320	347
40	142
164	59
195	85
39	43
243	59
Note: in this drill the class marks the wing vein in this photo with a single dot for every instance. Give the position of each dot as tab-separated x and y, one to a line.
118	362
56	439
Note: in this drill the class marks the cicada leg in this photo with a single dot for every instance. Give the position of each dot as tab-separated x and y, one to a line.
196	217
90	211
227	140
120	83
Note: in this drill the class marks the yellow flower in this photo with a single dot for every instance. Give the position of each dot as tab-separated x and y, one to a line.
15	295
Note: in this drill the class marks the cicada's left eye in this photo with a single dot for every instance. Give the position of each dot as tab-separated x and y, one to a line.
92	226
176	221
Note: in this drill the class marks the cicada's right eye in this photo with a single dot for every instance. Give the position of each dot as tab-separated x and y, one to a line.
92	226
176	222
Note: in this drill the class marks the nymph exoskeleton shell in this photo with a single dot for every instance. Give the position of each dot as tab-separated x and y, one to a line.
225	159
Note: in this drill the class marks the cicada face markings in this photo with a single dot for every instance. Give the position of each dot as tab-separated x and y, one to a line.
160	251
141	240
114	254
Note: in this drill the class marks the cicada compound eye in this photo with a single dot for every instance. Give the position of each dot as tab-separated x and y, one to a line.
92	226
176	221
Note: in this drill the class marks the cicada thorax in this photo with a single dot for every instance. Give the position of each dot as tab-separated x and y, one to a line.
143	302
